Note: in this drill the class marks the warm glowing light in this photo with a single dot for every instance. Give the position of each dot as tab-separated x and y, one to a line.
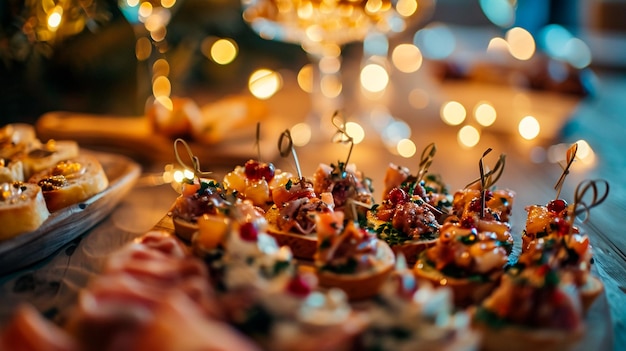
158	35
498	45
406	8
374	78
224	51
419	98
264	83
407	58
179	176
301	134
305	78
485	114
521	43
468	136
499	12
330	86
529	127
132	3
329	64
168	3
585	153
406	148
54	20
161	86
161	68
453	113
145	9
143	49
355	131
394	132
166	102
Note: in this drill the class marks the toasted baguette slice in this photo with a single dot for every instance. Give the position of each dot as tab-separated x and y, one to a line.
362	285
70	182
590	291
466	292
22	209
48	155
303	246
183	228
16	139
11	170
514	338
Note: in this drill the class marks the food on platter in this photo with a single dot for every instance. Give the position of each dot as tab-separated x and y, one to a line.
532	309
292	217
256	181
17	139
45	156
70	181
498	203
349	257
344	182
467	260
173	117
198	196
22	208
408	314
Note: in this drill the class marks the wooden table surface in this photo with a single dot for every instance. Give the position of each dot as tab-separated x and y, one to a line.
52	285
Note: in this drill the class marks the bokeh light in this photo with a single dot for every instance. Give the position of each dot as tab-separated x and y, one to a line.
161	86
485	113
406	148
264	83
468	136
585	153
419	98
554	38
521	43
374	78
436	41
224	51
499	12
305	78
407	58
355	131
453	113
301	134
529	128
577	53
394	132
55	17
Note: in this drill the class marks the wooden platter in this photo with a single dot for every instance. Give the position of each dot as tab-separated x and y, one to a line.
69	223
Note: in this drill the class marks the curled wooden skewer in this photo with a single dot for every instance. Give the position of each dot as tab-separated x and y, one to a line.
598	196
342	136
285	151
195	162
570	156
426	159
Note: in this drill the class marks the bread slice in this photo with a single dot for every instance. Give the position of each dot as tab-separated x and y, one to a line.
48	155
362	285
515	338
303	246
11	170
70	182
590	291
17	138
22	209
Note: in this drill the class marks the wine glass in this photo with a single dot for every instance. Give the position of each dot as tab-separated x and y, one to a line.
322	28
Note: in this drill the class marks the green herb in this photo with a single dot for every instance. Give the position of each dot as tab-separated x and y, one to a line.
289	185
490	318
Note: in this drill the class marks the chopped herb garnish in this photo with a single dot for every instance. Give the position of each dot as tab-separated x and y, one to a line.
289	185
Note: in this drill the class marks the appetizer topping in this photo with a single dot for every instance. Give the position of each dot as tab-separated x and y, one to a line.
344	182
11	193
328	309
467	252
256	181
198	197
256	170
299	285
53	183
498	203
344	248
534	298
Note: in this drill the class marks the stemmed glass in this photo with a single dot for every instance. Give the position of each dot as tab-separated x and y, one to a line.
322	27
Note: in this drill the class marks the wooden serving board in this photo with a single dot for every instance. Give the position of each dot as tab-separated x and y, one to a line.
67	224
135	137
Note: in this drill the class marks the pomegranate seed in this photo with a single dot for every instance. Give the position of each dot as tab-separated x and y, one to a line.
248	232
298	286
266	171
398	196
557	206
252	169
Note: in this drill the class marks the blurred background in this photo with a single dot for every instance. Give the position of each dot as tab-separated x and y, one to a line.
91	61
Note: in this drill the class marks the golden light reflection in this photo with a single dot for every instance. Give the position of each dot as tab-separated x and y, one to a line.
224	51
161	68
407	58
166	102
521	43
331	86
498	45
585	153
143	49
485	113
305	78
145	10
161	87
356	132
55	17
301	134
168	3
453	113
406	8
468	136
374	78
264	83
406	148
529	128
158	34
